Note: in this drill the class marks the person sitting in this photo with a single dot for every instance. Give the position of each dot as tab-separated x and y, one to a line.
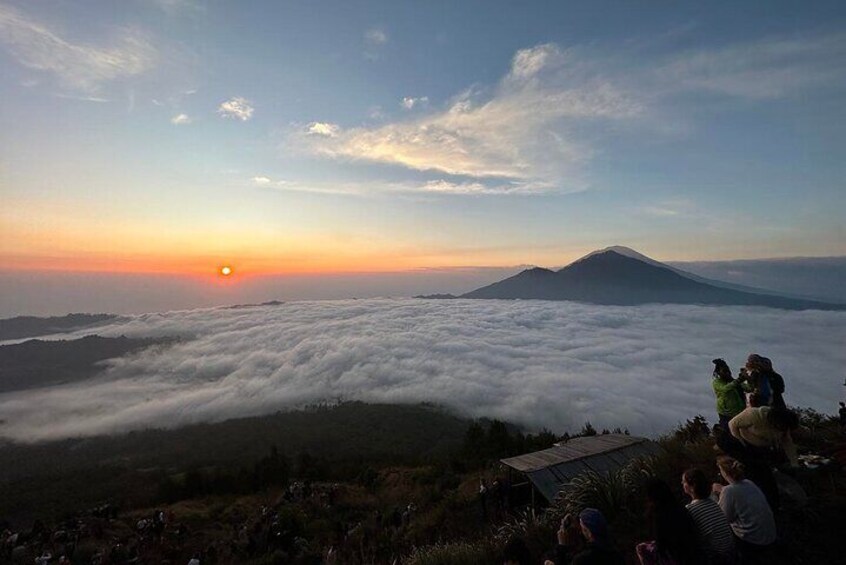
747	511
593	528
730	400
675	539
716	541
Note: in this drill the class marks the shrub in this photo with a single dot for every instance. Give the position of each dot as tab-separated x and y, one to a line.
695	430
610	493
459	553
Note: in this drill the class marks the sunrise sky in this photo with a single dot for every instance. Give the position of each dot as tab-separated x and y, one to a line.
177	136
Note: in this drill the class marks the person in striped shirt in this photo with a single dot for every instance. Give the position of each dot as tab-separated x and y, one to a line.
716	540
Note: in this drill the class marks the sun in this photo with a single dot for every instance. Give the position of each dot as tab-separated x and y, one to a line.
226	270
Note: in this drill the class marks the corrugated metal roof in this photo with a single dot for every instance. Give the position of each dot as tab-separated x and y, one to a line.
551	468
576	448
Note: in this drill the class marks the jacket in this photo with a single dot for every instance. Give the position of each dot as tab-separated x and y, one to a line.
730	401
752	426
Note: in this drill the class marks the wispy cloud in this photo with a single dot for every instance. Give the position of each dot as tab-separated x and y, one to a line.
173	7
323	129
180	119
78	66
410	188
767	68
237	107
409	102
82	98
375	36
375	40
519	133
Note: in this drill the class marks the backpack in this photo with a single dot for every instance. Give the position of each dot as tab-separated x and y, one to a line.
776	382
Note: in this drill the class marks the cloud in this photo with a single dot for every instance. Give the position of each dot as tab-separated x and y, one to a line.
323	129
78	66
528	62
180	119
173	7
82	98
236	107
518	133
353	188
375	37
767	68
554	364
409	103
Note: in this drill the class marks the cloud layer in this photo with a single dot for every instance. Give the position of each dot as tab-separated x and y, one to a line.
553	364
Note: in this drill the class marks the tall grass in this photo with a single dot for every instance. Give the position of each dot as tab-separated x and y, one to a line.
458	553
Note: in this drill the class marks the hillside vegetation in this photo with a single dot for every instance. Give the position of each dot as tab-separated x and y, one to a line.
351	483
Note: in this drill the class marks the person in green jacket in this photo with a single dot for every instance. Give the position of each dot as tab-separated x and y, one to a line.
730	399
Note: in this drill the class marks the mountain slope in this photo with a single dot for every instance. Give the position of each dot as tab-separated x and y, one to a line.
614	276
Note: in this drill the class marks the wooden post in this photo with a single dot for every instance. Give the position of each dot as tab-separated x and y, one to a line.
532	486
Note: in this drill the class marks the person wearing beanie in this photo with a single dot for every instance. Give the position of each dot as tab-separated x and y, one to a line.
591	529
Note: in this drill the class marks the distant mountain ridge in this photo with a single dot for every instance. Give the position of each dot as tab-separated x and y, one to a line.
622	276
32	326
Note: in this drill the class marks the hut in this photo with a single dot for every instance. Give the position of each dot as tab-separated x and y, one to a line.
546	471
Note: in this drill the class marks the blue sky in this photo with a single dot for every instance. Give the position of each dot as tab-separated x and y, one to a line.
176	135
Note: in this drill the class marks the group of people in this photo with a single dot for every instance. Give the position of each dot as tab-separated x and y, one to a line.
725	523
755	423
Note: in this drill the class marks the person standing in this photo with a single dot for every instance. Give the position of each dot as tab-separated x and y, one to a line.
757	379
760	437
730	401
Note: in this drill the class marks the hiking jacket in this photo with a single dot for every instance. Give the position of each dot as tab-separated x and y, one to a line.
730	401
753	427
759	383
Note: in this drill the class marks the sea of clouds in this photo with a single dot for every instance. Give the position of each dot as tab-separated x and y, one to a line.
536	363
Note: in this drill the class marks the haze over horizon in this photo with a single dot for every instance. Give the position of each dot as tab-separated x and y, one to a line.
164	139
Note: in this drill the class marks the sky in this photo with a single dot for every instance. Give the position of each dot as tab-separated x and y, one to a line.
535	363
166	138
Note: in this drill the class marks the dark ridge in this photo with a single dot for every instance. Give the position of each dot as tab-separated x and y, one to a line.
37	363
239	306
32	326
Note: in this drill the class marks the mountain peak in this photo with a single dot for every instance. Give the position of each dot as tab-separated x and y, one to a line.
622	276
625	252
